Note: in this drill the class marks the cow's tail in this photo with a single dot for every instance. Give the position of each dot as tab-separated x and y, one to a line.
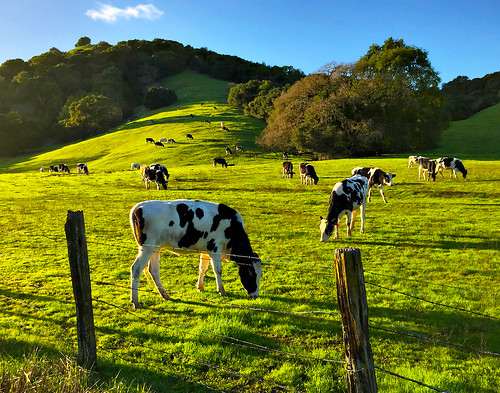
137	223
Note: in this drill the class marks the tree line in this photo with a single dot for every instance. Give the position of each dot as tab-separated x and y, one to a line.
57	97
389	101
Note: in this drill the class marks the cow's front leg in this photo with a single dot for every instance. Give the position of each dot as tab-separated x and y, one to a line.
370	195
348	222
382	193
154	271
363	209
204	263
215	260
136	269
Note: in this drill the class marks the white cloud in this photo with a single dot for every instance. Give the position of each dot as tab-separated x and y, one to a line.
111	14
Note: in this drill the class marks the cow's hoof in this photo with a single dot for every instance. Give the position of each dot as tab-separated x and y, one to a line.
137	306
223	293
165	296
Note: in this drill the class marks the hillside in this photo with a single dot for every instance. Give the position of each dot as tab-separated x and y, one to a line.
200	96
475	138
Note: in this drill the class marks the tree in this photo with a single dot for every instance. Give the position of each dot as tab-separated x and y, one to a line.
157	97
386	102
83	41
91	114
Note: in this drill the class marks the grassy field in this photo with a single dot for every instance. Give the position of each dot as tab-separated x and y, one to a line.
430	257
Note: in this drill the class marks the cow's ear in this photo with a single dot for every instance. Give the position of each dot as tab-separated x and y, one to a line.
393	175
321	218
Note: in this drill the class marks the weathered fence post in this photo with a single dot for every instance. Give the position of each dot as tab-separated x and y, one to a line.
80	276
353	307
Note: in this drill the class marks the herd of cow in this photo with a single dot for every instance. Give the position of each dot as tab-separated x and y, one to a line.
63	168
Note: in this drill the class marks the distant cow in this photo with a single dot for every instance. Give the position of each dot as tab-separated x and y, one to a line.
239	149
189	136
376	178
346	198
453	164
228	151
170	140
412	160
287	170
213	230
220	161
135	166
162	169
53	168
426	165
159	144
285	155
149	174
63	168
150	140
307	174
82	168
42	169
207	122
163	140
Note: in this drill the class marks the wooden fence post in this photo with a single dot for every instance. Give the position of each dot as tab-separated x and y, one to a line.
353	307
80	276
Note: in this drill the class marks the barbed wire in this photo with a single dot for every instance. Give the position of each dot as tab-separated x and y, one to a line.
412	380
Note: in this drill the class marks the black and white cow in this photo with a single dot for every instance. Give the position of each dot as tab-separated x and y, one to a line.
228	151
189	136
150	140
426	165
159	144
453	164
134	165
287	170
82	168
307	174
239	149
214	230
220	161
149	174
347	197
376	178
63	168
53	168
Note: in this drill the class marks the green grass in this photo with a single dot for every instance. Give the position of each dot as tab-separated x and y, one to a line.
434	240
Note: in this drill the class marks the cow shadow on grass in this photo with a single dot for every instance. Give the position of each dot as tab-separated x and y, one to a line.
487	244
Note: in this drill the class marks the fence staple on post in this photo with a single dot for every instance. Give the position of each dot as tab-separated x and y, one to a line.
80	277
353	308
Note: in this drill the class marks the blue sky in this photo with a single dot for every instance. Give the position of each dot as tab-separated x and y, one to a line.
462	37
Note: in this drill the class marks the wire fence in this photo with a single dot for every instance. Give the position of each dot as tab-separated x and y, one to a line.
318	269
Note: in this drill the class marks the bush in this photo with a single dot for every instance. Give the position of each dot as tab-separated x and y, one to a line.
157	97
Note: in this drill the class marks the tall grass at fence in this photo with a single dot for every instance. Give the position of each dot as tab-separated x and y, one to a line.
430	257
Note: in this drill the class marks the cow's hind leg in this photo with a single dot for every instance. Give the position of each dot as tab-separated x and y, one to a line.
349	221
204	263
136	269
362	209
215	261
382	193
154	271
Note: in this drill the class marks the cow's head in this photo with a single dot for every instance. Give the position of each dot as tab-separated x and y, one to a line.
388	179
326	227
250	273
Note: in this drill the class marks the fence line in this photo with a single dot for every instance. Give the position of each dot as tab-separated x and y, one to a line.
432	302
256	347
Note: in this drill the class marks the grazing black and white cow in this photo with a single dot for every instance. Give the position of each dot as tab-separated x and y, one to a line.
239	149
162	169
285	155
42	169
228	151
189	136
426	165
213	230
376	178
347	197
170	140
150	140
159	144
287	170
307	174
82	168
453	164
220	161
53	168
134	165
162	140
63	168
412	160
149	174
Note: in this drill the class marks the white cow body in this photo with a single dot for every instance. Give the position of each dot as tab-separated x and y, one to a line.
214	230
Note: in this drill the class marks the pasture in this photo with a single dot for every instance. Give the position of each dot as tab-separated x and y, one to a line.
430	257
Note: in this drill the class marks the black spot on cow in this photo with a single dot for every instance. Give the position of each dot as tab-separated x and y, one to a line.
200	213
211	246
171	224
192	235
224	213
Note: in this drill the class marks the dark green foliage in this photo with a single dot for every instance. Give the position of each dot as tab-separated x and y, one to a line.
157	97
41	90
386	102
465	97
